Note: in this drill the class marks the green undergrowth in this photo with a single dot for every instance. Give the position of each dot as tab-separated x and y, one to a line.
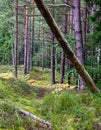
66	109
71	111
11	118
17	94
20	93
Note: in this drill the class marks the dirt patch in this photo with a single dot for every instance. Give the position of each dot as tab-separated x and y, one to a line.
43	91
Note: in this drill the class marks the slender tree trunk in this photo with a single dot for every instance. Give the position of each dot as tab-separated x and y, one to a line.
71	27
53	55
78	36
93	48
62	68
26	40
39	47
13	53
52	61
56	59
43	50
16	41
30	45
85	30
32	39
63	43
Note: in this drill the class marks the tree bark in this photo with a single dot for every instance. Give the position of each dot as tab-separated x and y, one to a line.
53	55
52	61
35	118
16	40
85	30
63	59
64	44
78	36
43	40
32	39
26	40
62	68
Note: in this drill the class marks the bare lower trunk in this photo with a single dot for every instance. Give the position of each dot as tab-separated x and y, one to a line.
43	50
56	59
26	40
63	43
62	68
16	41
32	39
53	54
52	61
78	36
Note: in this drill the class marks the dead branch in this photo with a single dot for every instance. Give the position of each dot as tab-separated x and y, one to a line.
44	123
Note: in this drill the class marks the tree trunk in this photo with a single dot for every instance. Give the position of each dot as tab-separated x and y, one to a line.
39	46
56	59
26	40
71	27
78	36
32	39
68	51
62	68
16	40
53	55
43	49
52	61
13	55
85	30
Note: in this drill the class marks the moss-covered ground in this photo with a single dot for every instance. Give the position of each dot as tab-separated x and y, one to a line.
66	109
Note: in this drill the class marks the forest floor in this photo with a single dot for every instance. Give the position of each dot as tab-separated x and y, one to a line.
61	106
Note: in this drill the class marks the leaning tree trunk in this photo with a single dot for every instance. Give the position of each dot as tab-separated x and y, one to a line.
78	36
64	44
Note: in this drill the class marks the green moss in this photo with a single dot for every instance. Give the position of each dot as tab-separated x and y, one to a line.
66	110
69	104
10	118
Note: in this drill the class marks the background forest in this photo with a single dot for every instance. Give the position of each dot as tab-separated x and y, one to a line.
36	74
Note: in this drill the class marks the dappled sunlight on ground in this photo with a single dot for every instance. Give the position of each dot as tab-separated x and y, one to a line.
46	84
6	75
37	77
43	83
58	103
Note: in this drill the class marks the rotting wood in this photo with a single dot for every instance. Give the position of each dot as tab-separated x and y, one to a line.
44	123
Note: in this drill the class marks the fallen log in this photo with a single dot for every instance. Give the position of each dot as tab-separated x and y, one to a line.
43	123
